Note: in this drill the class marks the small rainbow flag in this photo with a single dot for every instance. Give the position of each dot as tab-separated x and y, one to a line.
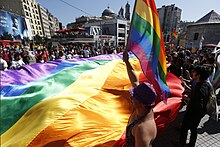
146	42
175	36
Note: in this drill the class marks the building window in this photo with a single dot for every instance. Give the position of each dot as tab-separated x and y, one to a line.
121	35
25	7
36	12
24	1
121	25
196	36
38	22
30	14
27	14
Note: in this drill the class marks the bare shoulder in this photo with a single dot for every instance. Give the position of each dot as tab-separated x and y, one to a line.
145	133
146	127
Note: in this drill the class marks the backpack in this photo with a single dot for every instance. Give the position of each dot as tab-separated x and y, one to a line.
212	107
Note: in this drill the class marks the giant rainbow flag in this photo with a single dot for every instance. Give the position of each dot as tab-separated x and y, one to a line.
78	102
146	42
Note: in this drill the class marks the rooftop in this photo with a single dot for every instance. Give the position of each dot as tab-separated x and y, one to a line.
211	17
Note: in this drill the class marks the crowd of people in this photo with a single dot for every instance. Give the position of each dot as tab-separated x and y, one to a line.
198	72
200	77
15	57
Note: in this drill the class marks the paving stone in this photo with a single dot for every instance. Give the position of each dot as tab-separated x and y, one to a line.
208	133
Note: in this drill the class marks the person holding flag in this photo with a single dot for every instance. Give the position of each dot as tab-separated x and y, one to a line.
141	129
146	42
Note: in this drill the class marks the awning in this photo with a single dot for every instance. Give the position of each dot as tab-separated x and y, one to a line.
84	41
70	30
64	31
78	29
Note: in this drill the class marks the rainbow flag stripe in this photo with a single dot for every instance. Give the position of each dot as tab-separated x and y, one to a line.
146	42
78	102
175	36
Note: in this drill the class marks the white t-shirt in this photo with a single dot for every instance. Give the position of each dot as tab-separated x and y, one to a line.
218	59
17	64
69	56
3	64
86	53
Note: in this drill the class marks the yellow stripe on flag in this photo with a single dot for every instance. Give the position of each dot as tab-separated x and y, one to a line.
147	14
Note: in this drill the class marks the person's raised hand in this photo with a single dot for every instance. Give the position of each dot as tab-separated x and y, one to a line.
125	56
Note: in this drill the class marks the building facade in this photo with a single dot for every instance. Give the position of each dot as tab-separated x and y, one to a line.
169	17
109	29
44	21
113	28
13	6
30	8
35	13
204	31
127	11
54	24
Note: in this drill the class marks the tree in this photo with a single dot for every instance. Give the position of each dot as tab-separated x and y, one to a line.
38	40
25	40
6	36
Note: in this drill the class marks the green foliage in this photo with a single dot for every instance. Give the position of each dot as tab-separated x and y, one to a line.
6	36
38	40
25	40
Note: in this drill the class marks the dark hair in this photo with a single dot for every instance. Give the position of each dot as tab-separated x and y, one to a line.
144	93
203	70
148	107
211	60
16	55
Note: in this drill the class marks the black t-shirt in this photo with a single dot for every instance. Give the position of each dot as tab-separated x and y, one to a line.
199	98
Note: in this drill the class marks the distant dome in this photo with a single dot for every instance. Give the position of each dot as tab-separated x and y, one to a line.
108	12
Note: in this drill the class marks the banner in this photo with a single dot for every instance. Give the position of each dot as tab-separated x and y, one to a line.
14	25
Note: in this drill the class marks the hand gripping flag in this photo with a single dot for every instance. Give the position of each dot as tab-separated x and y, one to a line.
146	42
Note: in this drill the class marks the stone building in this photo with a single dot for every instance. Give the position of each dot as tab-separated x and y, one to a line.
169	17
109	29
205	31
44	21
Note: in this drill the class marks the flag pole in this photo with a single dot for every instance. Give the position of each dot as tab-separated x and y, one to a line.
126	48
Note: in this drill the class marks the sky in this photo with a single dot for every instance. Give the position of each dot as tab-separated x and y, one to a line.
192	10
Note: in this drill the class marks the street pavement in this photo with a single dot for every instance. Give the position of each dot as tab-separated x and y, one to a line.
208	133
